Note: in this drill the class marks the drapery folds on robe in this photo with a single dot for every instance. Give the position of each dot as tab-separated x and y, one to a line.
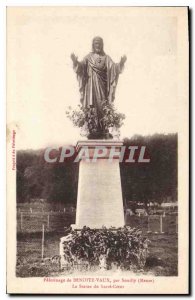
97	77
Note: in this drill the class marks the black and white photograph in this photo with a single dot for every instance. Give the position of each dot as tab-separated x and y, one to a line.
97	150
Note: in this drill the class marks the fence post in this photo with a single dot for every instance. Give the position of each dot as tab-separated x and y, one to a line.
176	229
48	221
42	242
161	224
21	221
148	224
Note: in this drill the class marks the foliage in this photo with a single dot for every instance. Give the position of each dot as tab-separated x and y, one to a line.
36	179
58	182
90	120
157	180
124	247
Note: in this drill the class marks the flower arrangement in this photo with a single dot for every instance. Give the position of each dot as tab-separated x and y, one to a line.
95	122
125	247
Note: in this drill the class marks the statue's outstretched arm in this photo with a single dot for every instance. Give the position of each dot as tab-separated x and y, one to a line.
77	66
74	59
122	61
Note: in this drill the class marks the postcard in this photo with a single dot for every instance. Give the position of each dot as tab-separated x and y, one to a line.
97	150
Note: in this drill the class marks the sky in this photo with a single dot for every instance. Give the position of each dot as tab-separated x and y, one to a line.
41	83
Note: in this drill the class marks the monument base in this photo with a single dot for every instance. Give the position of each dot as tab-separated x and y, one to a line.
99	200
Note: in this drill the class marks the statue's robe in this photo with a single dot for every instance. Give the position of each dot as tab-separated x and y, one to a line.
97	77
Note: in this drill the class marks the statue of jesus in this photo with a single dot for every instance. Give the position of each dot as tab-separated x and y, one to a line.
97	75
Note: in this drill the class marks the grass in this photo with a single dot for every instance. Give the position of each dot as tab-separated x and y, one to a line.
163	255
163	248
29	261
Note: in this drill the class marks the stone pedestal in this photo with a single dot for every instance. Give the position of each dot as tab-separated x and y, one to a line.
99	200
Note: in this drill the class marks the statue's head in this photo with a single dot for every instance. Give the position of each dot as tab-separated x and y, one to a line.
98	45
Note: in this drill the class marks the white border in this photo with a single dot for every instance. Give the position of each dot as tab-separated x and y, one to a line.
3	5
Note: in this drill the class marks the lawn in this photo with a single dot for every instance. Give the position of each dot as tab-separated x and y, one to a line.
162	258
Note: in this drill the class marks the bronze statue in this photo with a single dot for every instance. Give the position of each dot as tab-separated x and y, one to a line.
97	75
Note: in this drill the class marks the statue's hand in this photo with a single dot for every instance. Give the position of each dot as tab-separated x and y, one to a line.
123	60
74	58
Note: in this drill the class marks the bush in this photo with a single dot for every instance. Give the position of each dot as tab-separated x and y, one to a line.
91	121
125	247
